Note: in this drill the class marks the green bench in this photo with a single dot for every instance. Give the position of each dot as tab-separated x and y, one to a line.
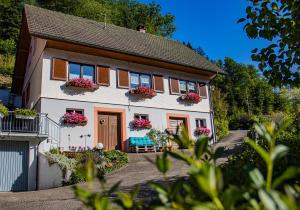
141	144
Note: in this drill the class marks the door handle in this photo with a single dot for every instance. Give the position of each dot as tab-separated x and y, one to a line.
102	121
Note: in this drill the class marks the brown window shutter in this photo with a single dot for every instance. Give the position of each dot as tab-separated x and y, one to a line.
59	69
123	78
203	90
158	83
103	77
174	86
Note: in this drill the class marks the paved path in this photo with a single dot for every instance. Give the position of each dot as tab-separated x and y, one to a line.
138	171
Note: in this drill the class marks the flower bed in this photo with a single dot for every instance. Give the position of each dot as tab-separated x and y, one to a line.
141	123
82	83
143	91
74	119
202	131
191	98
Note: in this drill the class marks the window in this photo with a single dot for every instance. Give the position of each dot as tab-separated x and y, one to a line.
182	86
141	116
187	86
139	80
192	87
78	111
201	123
77	70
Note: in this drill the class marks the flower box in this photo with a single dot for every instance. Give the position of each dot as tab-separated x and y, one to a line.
82	84
191	98
142	91
202	131
26	114
141	124
74	119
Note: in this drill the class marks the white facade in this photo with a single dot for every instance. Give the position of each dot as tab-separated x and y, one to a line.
51	97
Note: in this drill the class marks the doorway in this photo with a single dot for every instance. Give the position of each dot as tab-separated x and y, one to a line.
109	130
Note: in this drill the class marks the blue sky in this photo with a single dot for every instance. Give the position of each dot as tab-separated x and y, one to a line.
212	24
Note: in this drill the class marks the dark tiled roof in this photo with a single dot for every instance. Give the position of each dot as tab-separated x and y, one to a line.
55	25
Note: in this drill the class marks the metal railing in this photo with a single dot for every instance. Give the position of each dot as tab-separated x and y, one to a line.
40	125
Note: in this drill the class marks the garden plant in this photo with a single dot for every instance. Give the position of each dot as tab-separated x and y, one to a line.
203	187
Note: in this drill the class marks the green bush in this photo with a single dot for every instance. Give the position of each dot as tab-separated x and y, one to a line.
25	112
64	162
54	151
3	110
115	159
7	63
7	46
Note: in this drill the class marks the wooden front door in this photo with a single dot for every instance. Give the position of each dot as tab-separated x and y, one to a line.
109	130
175	123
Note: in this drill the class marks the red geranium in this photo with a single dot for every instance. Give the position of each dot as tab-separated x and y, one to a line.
143	91
74	118
81	83
141	123
191	97
202	131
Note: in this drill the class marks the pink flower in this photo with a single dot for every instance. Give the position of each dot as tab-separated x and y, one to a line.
74	119
191	97
143	91
81	83
202	131
141	123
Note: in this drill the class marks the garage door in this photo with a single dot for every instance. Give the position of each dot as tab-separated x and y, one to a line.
14	165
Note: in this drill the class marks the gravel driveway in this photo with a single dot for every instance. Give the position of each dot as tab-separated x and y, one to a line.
138	171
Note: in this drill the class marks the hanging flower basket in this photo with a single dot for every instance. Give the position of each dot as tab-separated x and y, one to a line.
82	84
74	119
142	91
141	124
202	131
191	98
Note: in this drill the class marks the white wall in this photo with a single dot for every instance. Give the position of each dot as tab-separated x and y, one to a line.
70	136
112	94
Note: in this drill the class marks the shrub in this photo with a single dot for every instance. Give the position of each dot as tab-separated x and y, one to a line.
25	112
54	151
64	162
115	159
3	110
7	63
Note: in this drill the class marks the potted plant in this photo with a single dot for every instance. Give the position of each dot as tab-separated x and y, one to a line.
142	91
202	131
74	118
3	111
191	97
25	114
82	83
141	124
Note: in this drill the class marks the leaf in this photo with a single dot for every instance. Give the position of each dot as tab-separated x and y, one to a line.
257	178
254	50
279	151
181	156
101	203
125	199
262	152
230	196
114	188
200	147
289	173
241	20
266	200
163	163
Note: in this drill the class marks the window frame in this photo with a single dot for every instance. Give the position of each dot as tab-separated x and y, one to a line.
81	69
139	75
186	86
76	110
139	116
198	121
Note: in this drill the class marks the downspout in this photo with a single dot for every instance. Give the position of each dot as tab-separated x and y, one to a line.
37	167
212	111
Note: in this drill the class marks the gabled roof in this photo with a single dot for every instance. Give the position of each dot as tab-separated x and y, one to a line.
58	26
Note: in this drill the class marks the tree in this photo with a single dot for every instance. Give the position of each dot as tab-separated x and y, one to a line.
278	22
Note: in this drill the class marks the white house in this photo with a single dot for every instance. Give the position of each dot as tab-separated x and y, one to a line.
55	48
